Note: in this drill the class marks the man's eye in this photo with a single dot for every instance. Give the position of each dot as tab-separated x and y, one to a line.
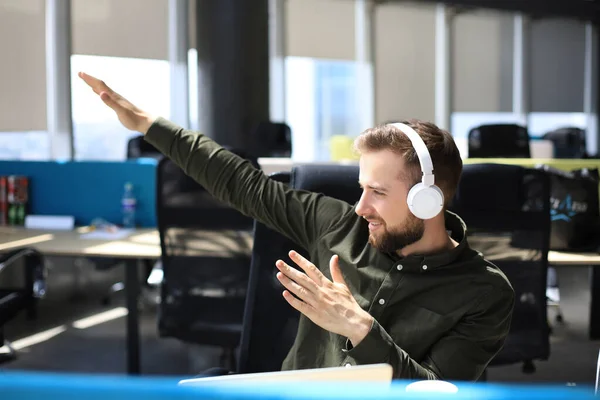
378	193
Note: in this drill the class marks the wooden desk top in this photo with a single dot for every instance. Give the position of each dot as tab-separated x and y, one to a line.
145	243
582	259
140	243
137	243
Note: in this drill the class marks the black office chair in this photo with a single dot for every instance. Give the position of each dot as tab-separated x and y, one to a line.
507	212
568	142
270	324
203	289
137	147
14	300
271	139
499	141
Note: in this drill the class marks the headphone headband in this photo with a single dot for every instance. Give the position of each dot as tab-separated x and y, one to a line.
422	153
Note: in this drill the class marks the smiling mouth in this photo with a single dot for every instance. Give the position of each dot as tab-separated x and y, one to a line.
374	225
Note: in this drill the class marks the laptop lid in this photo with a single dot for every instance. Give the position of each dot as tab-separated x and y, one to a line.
362	373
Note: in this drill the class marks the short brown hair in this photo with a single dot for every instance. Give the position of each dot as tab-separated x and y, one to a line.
445	156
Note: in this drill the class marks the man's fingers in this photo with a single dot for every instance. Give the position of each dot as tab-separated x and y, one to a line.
109	101
296	289
311	270
336	272
96	84
299	305
297	276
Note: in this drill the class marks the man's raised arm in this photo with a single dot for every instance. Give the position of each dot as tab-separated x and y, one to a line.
302	216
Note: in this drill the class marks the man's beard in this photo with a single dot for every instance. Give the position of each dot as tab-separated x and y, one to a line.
392	240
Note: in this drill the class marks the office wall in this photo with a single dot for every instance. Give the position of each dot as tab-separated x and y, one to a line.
404	61
556	50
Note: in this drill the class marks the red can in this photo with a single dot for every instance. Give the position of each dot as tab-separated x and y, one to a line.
18	189
17	197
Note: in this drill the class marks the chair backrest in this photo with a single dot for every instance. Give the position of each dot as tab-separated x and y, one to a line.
206	248
138	147
270	324
568	142
499	140
272	139
507	211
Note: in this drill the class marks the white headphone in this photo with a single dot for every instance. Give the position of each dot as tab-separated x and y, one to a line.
425	200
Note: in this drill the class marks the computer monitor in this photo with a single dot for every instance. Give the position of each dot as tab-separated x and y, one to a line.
379	373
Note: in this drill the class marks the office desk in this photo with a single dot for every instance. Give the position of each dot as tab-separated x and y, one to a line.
145	244
140	244
591	260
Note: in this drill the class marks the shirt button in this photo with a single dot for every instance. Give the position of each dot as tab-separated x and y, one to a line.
424	267
348	365
399	267
381	301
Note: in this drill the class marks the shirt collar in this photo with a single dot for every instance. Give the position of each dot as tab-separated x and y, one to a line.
457	230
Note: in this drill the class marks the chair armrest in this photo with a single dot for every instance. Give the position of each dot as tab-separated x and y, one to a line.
35	270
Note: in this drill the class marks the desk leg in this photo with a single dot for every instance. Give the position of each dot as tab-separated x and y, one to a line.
595	302
133	329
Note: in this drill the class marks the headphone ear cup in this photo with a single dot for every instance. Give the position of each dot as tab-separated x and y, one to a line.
425	202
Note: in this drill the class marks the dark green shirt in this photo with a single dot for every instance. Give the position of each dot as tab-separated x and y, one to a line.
442	316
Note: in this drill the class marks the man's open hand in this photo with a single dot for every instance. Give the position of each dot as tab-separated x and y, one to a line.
328	304
129	115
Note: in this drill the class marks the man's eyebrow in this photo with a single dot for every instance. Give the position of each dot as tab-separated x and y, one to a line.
374	186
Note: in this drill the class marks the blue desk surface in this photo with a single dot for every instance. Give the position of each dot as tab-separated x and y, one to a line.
27	386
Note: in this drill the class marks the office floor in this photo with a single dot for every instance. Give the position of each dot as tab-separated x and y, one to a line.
100	348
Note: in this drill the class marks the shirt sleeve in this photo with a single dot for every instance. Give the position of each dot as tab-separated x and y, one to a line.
462	354
300	215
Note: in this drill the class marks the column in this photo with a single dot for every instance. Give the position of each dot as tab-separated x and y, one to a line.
178	62
233	69
520	67
590	89
277	60
58	79
365	59
443	73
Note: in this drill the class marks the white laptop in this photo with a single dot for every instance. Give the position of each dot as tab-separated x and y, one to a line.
380	373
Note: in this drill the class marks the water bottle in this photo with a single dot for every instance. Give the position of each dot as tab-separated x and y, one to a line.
128	206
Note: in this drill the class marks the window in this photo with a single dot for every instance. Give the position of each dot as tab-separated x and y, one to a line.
321	102
97	133
130	55
25	146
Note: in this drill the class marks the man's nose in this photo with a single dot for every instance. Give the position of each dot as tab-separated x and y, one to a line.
362	207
